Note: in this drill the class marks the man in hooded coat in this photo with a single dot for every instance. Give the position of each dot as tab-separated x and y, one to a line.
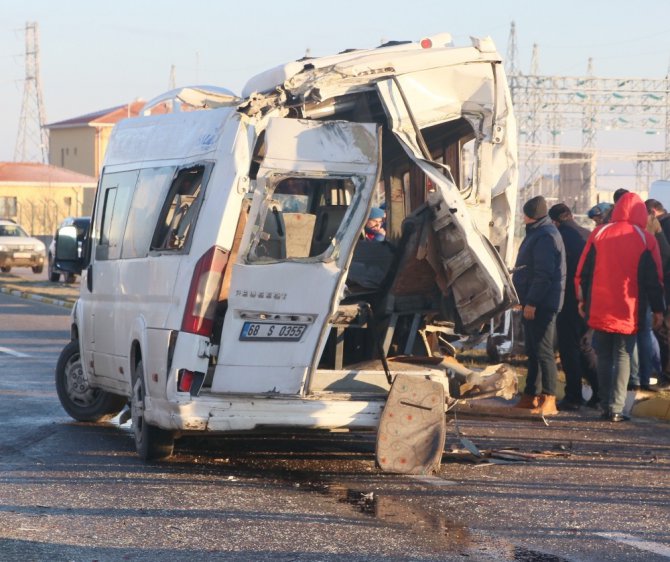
619	272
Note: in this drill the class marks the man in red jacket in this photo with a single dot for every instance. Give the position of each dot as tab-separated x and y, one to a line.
619	272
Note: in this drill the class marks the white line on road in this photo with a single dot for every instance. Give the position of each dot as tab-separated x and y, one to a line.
650	546
13	352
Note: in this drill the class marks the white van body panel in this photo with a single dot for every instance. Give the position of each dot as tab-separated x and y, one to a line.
267	292
151	287
175	136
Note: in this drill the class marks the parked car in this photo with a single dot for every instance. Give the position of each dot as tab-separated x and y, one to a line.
19	249
81	224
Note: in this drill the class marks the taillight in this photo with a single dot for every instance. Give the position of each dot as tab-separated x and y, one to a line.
190	381
426	43
185	380
203	295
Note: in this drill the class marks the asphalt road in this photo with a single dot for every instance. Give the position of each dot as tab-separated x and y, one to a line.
70	491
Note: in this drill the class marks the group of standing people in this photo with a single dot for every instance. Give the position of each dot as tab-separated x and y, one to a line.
601	290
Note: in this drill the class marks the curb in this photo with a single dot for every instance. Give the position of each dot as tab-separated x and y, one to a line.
33	296
639	404
657	407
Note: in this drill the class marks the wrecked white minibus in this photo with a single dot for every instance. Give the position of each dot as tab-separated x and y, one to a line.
226	283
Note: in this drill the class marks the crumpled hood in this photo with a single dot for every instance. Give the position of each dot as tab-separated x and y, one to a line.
630	208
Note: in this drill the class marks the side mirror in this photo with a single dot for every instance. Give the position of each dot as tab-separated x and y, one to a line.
68	253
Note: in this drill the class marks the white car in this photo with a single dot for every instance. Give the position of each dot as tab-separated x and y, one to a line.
19	249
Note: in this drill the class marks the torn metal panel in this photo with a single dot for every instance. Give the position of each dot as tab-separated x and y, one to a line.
199	97
475	274
478	93
316	146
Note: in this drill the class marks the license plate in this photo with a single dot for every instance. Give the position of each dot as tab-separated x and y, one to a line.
21	255
272	331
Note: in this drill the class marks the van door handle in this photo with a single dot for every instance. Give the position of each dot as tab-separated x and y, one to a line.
89	278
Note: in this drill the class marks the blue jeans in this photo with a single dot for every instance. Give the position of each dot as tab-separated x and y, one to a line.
614	352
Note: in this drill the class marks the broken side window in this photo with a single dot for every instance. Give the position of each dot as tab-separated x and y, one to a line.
180	211
301	218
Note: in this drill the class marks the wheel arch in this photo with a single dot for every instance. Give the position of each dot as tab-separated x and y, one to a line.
137	346
135	356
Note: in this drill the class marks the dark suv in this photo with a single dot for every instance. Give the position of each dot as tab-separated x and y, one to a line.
82	224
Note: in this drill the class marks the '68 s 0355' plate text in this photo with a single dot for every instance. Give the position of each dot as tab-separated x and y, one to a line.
272	331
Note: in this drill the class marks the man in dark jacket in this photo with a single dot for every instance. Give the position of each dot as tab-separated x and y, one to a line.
539	279
618	276
574	338
663	332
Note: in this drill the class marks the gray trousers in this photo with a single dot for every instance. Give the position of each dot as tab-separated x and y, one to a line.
613	352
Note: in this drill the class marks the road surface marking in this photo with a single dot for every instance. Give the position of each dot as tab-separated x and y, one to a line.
650	546
434	480
13	352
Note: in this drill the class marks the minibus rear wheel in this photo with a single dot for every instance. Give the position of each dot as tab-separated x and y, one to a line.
151	442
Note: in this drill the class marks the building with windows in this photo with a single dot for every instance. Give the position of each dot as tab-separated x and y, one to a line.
39	196
79	144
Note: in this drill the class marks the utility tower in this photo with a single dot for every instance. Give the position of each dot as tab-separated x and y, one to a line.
511	61
546	106
532	127
32	141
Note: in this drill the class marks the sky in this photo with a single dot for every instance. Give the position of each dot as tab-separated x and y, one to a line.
96	55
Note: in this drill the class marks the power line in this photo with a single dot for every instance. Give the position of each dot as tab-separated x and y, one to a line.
547	106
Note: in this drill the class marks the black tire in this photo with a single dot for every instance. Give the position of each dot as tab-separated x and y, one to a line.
5	269
38	269
78	399
70	277
151	442
54	276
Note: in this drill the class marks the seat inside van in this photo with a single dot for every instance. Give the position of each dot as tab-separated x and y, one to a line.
328	220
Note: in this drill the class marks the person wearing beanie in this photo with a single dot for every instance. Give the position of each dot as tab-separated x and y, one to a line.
539	280
374	229
535	208
574	337
600	213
